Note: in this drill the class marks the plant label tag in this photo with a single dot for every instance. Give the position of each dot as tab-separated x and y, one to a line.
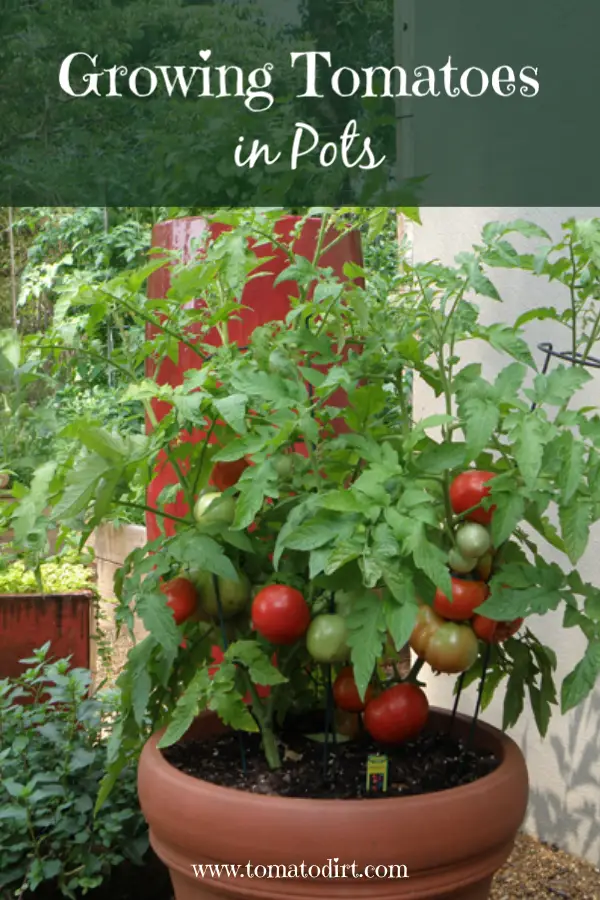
377	774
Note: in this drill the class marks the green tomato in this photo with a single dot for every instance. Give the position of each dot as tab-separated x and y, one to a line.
473	540
460	564
283	465
212	509
326	639
234	595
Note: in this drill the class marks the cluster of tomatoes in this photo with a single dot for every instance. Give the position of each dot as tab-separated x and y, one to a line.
446	633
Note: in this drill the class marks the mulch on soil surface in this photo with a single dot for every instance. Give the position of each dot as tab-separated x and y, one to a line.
537	871
432	762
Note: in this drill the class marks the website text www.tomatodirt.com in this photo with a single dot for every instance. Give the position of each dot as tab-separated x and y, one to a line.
333	868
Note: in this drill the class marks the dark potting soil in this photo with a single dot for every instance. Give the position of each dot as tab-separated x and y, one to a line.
432	762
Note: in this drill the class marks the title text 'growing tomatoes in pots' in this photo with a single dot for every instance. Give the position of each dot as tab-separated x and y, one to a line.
467	491
466	597
280	614
182	598
399	714
345	692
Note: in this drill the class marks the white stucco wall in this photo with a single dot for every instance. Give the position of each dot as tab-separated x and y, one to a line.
564	769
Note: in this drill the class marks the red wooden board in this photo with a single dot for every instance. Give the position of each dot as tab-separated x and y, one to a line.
27	621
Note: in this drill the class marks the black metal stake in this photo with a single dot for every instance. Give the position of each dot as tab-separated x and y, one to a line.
226	645
459	690
547	349
329	720
486	662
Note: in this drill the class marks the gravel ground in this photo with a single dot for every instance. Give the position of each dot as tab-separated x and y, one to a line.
537	871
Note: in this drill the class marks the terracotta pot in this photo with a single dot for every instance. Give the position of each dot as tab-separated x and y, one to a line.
451	842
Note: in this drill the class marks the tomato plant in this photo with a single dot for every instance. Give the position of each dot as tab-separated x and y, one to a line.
227	474
398	714
345	692
181	598
280	614
467	491
326	639
466	597
493	632
452	648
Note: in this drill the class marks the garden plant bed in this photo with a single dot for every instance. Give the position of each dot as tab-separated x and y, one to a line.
150	881
432	762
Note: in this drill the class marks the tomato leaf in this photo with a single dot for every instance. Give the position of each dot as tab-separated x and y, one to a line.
233	410
248	504
202	552
580	682
509	511
158	620
366	637
400	618
187	708
260	668
575	521
481	417
529	435
506	340
428	557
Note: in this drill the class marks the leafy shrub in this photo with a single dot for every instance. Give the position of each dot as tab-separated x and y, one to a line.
53	753
57	577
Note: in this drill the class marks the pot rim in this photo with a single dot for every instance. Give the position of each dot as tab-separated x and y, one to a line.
505	749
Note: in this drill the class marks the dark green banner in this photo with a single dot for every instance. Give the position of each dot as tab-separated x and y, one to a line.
303	103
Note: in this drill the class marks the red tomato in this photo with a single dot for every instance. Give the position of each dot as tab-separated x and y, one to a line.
225	474
466	597
345	692
398	714
280	614
181	598
467	490
494	632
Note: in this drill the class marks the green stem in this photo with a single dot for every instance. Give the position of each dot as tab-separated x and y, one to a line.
592	338
85	352
150	509
203	455
151	320
412	675
265	723
573	299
